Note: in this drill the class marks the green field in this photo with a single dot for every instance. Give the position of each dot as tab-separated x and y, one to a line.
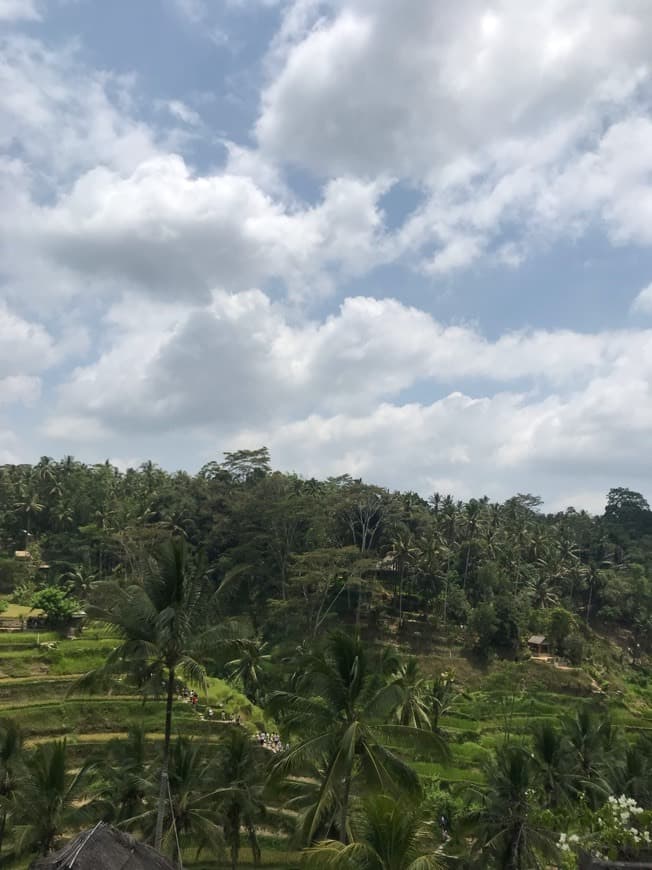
37	689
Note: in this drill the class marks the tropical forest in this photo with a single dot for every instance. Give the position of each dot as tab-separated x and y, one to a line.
246	668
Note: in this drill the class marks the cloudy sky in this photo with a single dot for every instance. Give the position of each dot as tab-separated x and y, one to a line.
407	240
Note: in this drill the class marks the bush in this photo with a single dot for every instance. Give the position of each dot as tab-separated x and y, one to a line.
574	649
56	604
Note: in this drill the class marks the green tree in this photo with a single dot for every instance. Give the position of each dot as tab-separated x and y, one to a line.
56	603
504	824
12	768
342	708
50	796
250	669
386	835
240	774
123	782
160	621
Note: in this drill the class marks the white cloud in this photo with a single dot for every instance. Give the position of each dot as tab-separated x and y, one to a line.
171	233
25	348
643	301
19	388
180	110
16	10
501	117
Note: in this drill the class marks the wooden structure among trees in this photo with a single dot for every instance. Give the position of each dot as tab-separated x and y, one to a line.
539	644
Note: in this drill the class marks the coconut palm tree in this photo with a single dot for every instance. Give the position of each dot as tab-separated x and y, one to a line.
411	698
191	819
241	774
342	711
11	772
552	763
386	835
505	832
594	754
52	798
124	782
161	622
249	668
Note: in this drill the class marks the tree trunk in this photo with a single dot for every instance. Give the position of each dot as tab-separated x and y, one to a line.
344	811
400	600
163	792
235	841
255	847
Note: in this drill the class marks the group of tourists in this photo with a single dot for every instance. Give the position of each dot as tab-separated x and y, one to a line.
271	741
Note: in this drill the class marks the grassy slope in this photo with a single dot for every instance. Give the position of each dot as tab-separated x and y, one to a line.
35	679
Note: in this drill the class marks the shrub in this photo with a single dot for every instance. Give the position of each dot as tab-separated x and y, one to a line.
54	601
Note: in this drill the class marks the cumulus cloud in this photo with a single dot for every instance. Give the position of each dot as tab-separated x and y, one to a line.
166	231
643	301
17	10
500	115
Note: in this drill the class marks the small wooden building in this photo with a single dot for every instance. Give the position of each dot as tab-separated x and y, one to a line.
539	644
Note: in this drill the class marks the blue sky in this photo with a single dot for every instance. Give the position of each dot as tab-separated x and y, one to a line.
410	241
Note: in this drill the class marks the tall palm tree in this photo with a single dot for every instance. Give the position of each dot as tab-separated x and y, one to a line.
404	552
124	783
505	832
160	621
240	775
411	699
11	772
386	836
249	668
552	762
51	796
594	753
191	817
341	709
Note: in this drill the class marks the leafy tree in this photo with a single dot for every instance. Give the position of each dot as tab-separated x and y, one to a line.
341	708
505	826
240	775
56	603
159	621
123	782
250	669
387	835
50	797
12	769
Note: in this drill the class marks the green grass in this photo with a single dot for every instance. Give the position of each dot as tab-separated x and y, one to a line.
16	611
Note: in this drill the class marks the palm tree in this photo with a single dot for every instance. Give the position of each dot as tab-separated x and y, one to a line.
387	836
159	621
124	784
249	668
552	762
594	753
503	826
191	818
240	772
441	695
341	709
404	552
411	703
50	795
11	771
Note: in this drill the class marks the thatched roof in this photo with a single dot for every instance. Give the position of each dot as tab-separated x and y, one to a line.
538	639
104	848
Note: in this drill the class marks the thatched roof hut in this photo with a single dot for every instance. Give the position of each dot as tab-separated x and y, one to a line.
104	848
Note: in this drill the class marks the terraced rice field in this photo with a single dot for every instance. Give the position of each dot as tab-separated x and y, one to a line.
37	688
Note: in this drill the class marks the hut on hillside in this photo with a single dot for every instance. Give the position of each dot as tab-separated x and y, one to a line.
538	644
104	848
